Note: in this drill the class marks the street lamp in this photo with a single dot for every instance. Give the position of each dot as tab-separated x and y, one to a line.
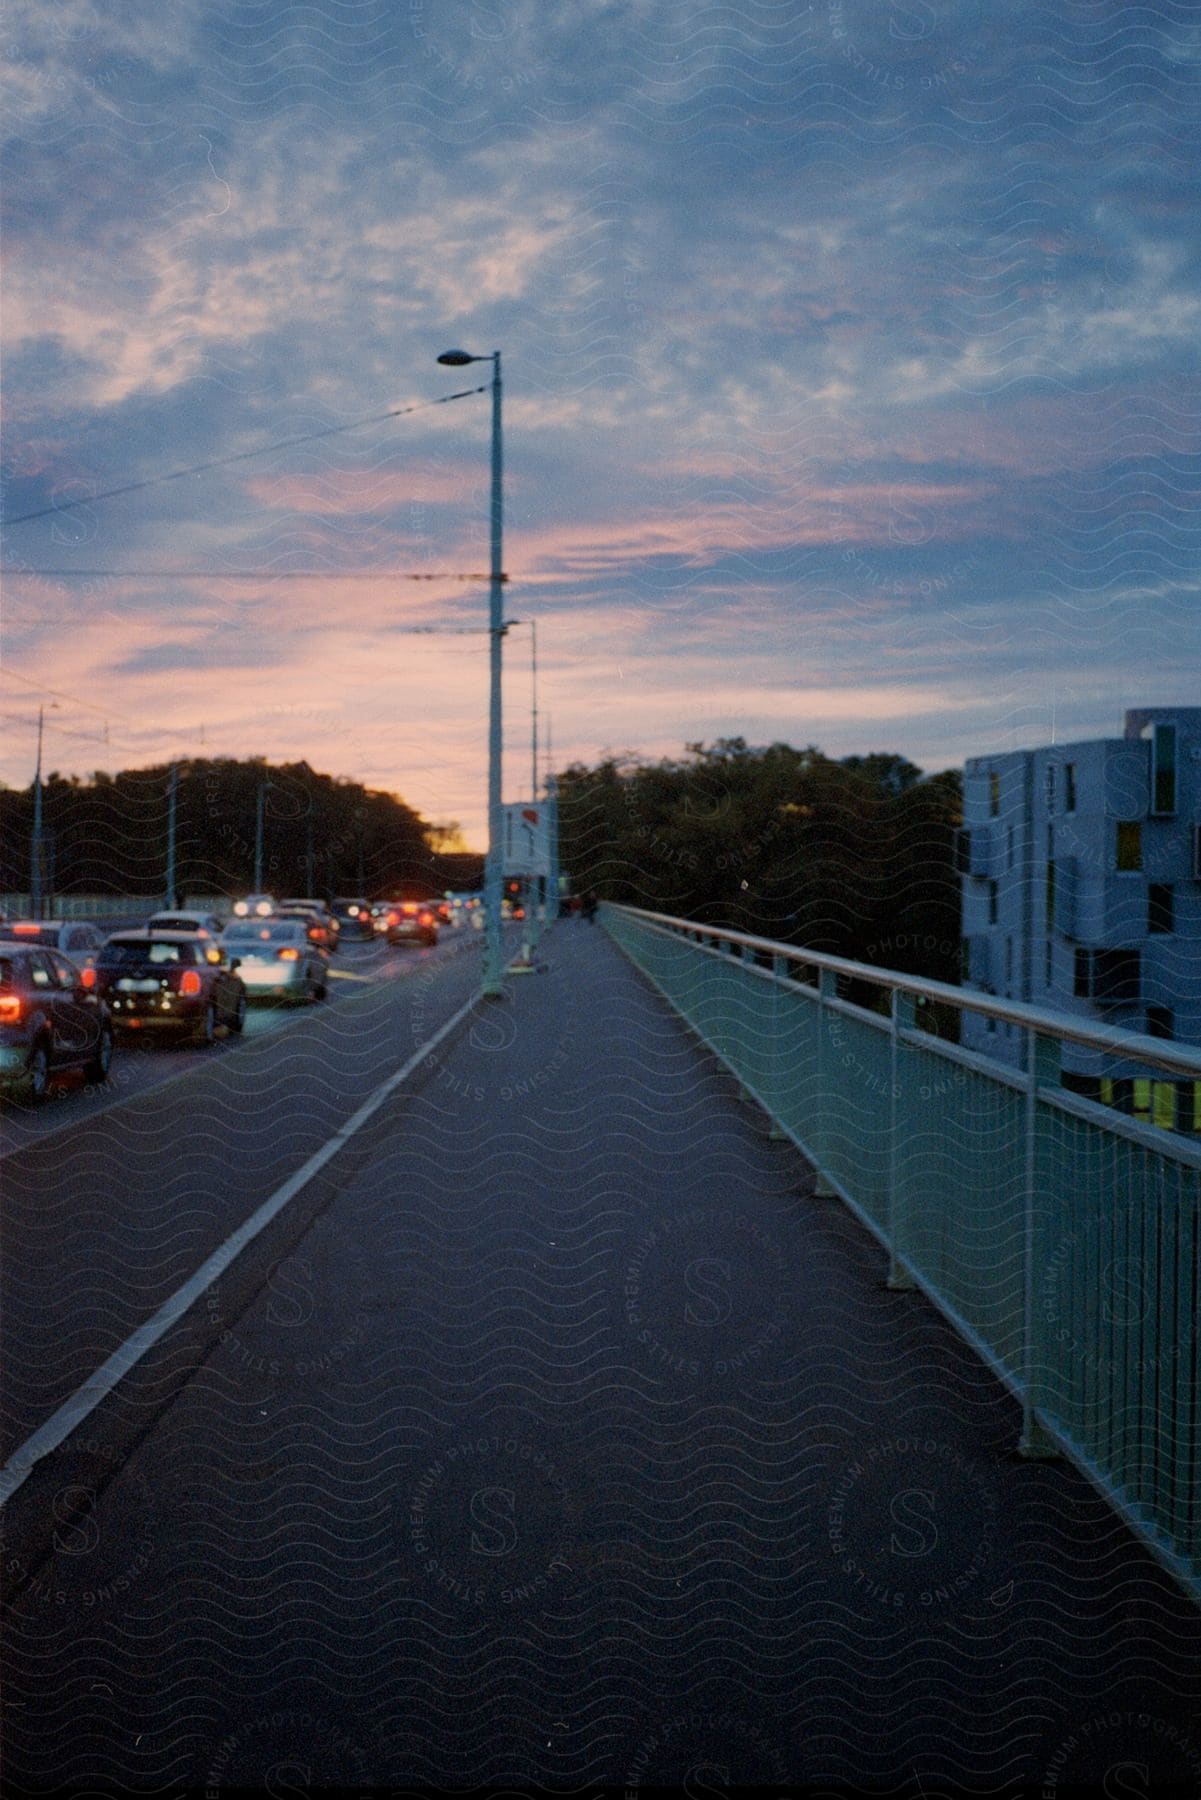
37	855
493	982
258	833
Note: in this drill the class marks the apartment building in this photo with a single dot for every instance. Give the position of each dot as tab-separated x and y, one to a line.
1081	883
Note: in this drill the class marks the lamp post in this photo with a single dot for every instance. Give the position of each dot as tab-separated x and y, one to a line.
493	981
172	796
258	833
37	855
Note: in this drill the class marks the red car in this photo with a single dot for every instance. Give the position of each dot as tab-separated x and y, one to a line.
170	981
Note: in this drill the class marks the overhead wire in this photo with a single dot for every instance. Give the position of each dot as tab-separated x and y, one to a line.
220	462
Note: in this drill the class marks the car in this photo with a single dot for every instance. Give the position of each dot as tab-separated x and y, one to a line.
330	924
315	922
77	940
354	917
170	982
410	922
254	906
49	1022
277	959
201	924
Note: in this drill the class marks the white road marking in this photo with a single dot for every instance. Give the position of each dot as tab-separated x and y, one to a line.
85	1400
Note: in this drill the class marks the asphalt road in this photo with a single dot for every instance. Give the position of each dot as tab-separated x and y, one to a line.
113	1196
555	1437
139	1066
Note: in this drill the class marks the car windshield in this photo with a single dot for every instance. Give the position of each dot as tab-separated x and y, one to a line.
284	933
176	922
142	950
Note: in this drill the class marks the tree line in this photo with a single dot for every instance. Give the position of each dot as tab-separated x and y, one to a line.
854	857
108	834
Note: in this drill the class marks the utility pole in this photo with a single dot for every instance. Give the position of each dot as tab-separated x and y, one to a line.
35	848
258	836
493	985
172	793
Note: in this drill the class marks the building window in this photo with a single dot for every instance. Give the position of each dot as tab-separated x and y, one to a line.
1008	963
1161	909
1159	1021
992	902
1163	769
1130	846
1048	964
1069	787
1010	844
1049	778
994	793
1197	852
1107	976
1050	896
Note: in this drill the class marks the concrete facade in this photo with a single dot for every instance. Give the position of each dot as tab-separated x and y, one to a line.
1081	892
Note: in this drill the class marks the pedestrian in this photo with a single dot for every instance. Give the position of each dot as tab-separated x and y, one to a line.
588	905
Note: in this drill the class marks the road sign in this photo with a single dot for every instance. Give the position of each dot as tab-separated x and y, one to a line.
526	839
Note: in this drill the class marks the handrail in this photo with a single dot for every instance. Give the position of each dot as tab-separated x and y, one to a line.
1056	1235
1180	1059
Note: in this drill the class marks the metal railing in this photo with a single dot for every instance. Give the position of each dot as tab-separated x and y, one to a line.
100	907
1059	1237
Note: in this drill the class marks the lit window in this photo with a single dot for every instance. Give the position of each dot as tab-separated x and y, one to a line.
1130	846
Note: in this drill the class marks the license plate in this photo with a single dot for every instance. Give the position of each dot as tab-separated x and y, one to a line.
128	986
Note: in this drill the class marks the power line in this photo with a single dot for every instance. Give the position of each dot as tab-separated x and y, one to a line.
220	462
104	712
251	574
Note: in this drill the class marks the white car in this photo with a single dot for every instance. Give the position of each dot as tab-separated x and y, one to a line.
203	924
276	959
75	938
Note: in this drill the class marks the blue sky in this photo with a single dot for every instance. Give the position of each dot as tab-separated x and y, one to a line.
850	355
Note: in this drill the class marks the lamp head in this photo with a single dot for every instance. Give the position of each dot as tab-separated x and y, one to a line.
456	358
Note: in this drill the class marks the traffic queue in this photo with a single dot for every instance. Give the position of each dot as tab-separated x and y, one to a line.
70	991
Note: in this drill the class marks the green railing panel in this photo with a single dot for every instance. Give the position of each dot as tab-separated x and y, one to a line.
1061	1239
959	1206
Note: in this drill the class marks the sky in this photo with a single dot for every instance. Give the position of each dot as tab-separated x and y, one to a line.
850	378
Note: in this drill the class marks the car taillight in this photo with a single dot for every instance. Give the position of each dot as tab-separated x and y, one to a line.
288	955
426	919
394	918
190	982
10	1009
87	977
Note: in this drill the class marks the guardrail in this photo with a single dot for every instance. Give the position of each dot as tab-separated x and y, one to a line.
1060	1238
104	906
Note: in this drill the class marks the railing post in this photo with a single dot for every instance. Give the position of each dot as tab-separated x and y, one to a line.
1042	1070
779	965
903	1017
827	989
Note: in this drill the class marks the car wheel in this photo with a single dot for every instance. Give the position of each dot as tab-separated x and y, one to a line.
239	1019
206	1031
97	1070
37	1076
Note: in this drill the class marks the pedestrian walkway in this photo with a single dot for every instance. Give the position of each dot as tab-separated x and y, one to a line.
579	1445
